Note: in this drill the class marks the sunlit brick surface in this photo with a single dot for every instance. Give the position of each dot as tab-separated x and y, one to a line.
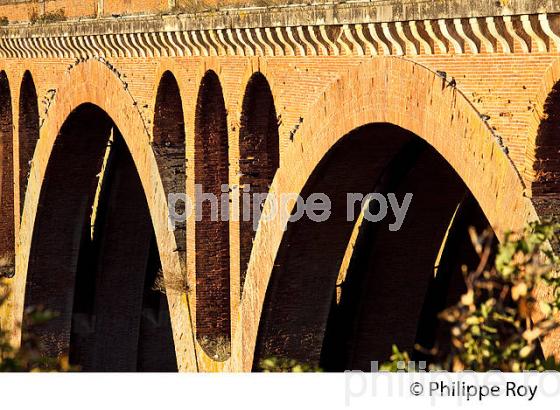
208	105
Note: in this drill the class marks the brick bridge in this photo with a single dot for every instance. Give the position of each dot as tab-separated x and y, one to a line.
102	117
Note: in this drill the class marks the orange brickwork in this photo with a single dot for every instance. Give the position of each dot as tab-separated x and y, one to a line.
295	109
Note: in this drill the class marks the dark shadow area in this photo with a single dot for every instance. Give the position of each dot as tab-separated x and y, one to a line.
392	289
259	158
28	131
93	257
212	231
7	240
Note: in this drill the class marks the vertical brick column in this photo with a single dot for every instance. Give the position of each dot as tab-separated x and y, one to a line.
259	158
169	148
212	236
28	131
6	180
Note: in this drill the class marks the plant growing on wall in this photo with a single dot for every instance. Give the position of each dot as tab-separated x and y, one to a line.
47	17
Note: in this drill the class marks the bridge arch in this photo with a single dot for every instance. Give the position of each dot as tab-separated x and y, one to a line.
28	129
413	99
123	110
337	286
94	258
212	242
7	238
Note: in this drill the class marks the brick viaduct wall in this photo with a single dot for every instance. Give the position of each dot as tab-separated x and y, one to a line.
21	11
319	86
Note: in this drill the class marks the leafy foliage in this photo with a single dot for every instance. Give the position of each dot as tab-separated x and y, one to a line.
498	322
282	365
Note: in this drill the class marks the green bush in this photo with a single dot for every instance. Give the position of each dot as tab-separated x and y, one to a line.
282	365
498	322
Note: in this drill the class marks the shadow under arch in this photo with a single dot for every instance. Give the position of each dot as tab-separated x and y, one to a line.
319	310
94	258
259	158
404	93
211	173
7	244
169	148
28	130
546	165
